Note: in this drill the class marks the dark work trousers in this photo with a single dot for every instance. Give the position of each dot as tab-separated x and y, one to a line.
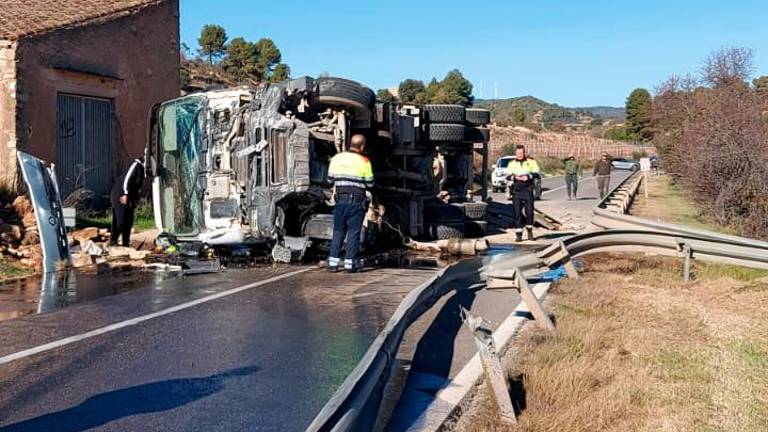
122	222
603	183
348	216
522	201
572	184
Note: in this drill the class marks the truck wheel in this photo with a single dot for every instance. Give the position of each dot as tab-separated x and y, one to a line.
447	231
478	117
475	210
446	132
477	135
340	91
444	113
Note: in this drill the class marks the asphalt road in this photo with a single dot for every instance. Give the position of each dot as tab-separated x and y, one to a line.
258	350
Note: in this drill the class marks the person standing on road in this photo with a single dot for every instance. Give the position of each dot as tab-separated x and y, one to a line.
521	171
124	198
352	176
572	174
602	172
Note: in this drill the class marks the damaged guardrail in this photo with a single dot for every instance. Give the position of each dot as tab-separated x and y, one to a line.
354	407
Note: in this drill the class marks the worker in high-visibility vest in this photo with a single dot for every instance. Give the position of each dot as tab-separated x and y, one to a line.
351	174
520	172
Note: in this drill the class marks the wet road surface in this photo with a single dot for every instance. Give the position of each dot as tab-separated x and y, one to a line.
263	359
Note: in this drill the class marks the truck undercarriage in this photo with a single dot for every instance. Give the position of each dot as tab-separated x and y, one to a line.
249	165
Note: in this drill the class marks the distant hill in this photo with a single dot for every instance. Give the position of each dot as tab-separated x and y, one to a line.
501	110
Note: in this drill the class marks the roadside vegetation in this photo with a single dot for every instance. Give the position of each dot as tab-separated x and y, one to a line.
638	349
144	218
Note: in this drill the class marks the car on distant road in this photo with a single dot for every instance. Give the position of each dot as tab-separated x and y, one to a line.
625	164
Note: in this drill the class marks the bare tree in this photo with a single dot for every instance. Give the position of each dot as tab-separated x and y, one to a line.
727	65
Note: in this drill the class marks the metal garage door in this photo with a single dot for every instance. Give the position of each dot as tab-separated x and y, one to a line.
84	145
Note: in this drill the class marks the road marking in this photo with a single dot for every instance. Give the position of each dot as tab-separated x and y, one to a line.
133	321
562	187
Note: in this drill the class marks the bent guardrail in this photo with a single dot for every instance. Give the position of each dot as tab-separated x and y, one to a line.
354	406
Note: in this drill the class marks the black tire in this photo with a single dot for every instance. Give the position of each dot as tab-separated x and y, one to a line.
474	210
478	117
475	228
340	91
444	113
446	132
443	213
447	231
477	135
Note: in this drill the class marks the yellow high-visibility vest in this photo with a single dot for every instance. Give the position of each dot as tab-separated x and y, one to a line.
350	169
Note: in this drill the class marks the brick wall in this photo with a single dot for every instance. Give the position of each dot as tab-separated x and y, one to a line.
7	110
133	60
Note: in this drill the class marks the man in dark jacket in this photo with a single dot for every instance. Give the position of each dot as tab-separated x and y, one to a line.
124	197
602	172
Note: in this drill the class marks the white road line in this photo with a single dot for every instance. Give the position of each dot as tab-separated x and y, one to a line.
133	321
562	187
454	391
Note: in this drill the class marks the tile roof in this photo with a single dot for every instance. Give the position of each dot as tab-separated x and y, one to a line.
19	18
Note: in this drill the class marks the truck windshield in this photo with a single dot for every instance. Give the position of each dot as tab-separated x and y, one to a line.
180	160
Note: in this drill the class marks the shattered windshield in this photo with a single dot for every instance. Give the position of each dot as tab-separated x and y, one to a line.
181	158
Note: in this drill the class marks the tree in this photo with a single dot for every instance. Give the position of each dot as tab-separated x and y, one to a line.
518	116
638	106
761	86
242	59
268	57
213	41
281	72
454	89
409	90
728	65
385	95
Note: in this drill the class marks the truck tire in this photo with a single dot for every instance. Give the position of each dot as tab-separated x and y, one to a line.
474	210
478	117
477	135
345	92
476	228
444	113
446	132
443	213
447	231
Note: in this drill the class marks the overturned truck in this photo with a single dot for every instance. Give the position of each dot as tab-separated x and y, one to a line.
249	165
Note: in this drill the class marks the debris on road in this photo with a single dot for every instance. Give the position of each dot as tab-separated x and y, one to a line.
467	247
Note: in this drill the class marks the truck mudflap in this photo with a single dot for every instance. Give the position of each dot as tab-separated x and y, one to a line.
44	194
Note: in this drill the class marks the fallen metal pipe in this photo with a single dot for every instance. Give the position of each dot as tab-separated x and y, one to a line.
467	247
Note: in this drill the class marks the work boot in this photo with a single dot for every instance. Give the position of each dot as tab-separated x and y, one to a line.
352	269
530	232
518	236
332	269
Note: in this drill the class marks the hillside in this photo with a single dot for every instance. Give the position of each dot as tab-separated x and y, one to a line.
548	113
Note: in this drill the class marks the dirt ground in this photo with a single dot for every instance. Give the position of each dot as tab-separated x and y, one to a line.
636	348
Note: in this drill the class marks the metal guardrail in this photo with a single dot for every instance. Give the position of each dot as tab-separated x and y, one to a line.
604	217
354	406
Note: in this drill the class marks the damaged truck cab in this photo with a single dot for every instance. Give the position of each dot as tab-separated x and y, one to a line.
249	165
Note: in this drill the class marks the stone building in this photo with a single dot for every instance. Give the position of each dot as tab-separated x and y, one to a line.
77	80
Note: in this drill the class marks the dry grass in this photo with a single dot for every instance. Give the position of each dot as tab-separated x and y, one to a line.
638	349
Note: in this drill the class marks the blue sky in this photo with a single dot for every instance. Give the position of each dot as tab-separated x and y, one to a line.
575	53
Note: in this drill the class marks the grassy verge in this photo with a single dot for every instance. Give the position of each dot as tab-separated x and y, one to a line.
9	270
668	202
636	348
143	218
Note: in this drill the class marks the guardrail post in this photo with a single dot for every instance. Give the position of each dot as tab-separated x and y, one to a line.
687	262
515	279
494	372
